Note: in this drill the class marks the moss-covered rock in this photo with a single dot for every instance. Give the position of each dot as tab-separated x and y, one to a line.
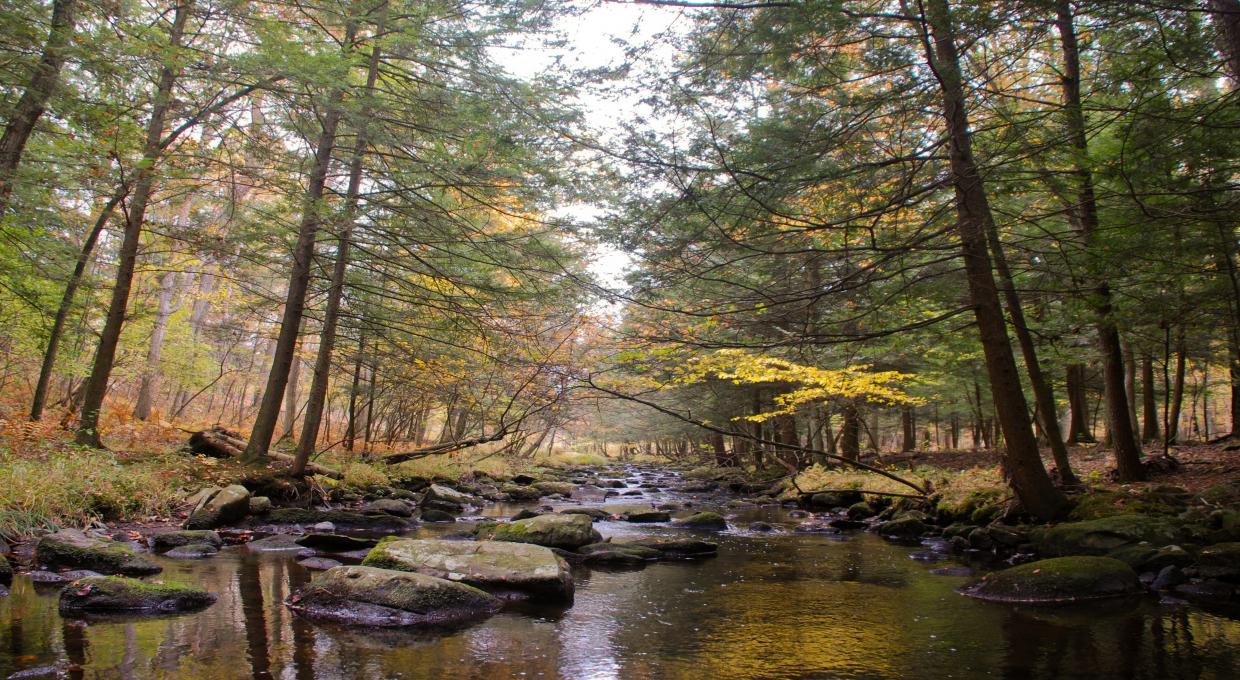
829	500
617	553
438	494
1101	536
547	488
493	566
260	505
670	548
1143	558
904	528
1221	561
276	543
371	596
226	506
1059	580
387	506
6	572
568	532
75	550
168	540
707	521
519	493
119	594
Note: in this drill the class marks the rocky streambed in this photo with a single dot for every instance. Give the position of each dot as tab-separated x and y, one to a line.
613	572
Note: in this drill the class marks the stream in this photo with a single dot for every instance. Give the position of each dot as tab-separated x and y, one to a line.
770	605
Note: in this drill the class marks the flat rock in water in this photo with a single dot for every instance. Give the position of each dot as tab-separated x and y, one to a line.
119	594
193	551
648	517
433	515
552	531
174	539
593	513
671	548
276	543
370	596
338	519
490	565
335	542
318	563
75	549
387	506
705	521
1059	580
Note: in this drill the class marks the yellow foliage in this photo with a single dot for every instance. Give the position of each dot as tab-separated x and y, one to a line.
809	383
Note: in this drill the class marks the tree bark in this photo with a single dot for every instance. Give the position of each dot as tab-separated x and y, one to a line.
33	101
1029	479
907	435
1149	408
1176	405
1226	16
850	433
1085	212
144	184
299	278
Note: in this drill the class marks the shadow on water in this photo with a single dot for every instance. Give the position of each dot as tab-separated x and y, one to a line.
781	605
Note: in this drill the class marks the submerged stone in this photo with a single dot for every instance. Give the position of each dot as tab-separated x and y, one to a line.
371	596
119	594
1058	580
276	543
335	542
669	548
75	549
490	565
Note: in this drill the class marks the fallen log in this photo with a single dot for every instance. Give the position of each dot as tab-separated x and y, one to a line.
218	442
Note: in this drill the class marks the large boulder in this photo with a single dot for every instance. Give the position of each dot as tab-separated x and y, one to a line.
175	539
648	516
383	597
387	506
445	497
75	550
1058	580
1101	536
494	566
708	521
119	594
226	506
568	532
563	488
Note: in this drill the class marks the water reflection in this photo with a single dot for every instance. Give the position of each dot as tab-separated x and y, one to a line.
770	606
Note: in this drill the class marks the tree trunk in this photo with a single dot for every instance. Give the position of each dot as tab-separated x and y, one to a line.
907	436
1176	405
331	318
1149	409
350	431
1085	213
66	303
1079	430
34	100
1130	383
1226	15
150	375
850	433
144	184
299	277
1029	479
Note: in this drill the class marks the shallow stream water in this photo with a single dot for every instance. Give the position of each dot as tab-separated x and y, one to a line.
780	605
